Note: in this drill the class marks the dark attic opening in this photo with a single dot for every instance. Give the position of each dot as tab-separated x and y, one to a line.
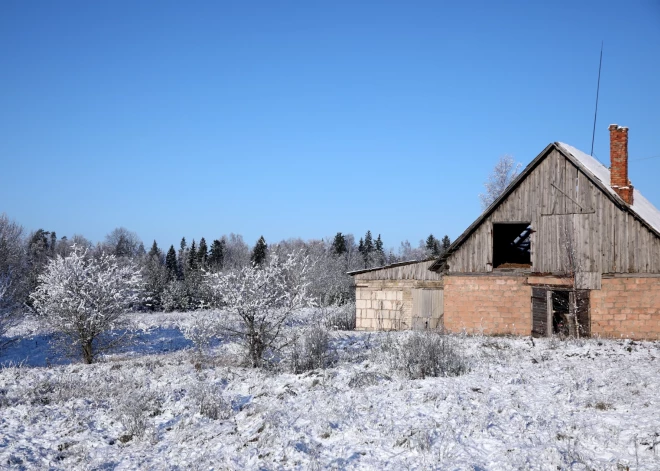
511	245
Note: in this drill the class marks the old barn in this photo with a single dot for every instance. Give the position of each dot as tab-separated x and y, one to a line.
569	247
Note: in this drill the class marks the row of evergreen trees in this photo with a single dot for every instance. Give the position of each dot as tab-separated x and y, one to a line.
372	252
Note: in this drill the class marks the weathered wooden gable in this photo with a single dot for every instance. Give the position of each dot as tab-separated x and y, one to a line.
576	225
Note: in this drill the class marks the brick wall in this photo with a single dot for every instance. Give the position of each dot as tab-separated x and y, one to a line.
626	307
494	304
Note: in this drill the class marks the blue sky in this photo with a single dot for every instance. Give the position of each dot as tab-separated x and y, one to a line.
302	119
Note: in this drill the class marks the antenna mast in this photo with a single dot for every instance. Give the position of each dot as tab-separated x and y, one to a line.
593	134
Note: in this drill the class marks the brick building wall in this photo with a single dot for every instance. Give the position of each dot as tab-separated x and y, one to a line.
496	304
626	307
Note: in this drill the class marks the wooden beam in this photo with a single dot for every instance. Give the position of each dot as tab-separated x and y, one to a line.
549	313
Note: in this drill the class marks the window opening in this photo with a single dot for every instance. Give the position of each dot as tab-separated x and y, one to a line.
511	245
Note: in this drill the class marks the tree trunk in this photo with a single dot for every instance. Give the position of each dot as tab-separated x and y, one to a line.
88	353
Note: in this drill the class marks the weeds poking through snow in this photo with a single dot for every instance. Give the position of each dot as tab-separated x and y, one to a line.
209	401
429	354
311	350
134	411
340	317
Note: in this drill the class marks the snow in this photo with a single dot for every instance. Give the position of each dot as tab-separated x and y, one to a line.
550	404
641	206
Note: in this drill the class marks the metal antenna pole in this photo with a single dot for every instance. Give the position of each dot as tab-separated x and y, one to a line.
593	134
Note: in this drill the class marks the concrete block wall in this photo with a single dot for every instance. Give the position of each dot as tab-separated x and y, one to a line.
383	308
496	304
626	307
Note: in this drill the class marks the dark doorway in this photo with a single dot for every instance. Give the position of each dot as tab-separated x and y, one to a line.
560	313
511	245
555	308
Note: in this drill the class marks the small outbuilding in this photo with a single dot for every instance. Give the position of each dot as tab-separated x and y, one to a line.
401	296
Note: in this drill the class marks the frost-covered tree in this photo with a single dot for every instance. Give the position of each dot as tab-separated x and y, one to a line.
236	253
155	276
329	281
257	301
8	306
408	253
505	171
259	252
65	243
83	299
123	243
13	260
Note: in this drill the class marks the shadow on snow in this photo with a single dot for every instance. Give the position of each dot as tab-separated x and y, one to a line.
37	351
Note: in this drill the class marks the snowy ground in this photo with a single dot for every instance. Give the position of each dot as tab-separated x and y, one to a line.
552	405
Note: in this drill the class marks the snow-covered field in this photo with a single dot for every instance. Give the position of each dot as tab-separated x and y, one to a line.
551	405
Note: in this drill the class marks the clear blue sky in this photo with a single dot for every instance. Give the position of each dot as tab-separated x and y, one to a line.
301	119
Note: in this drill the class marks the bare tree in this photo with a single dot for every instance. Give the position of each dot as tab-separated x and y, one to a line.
504	172
8	308
122	243
237	252
83	298
13	273
408	253
574	270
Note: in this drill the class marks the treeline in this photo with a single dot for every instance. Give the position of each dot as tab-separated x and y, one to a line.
173	276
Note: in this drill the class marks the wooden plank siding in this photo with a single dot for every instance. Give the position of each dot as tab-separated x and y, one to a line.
411	271
564	208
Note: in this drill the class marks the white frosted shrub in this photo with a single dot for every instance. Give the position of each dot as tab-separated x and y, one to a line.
257	301
84	298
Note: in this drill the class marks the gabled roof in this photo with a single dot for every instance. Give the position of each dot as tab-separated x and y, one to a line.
642	207
391	265
597	173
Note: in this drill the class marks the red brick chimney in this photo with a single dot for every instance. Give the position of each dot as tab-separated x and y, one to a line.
619	163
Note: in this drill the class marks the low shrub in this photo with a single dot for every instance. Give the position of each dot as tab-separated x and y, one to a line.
209	401
430	354
340	317
311	350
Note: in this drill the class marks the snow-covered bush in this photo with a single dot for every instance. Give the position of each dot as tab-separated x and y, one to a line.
209	401
134	410
83	298
257	301
429	354
201	329
311	350
175	297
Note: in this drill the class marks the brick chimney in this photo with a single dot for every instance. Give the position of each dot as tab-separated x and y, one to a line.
619	163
